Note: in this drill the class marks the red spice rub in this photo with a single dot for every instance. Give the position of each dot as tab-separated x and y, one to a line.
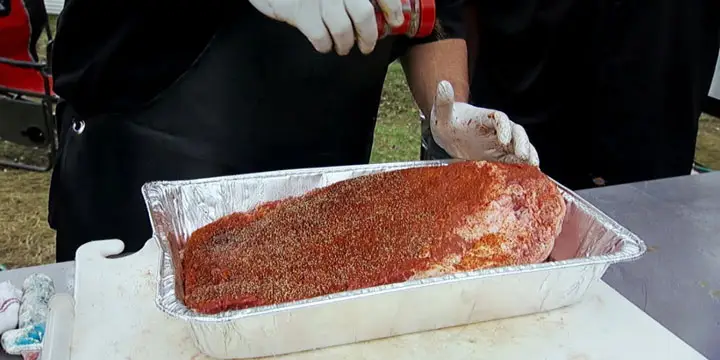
374	230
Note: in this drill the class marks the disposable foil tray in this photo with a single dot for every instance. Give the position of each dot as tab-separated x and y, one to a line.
589	242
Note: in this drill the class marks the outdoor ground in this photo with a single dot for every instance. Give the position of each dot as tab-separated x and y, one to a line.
25	238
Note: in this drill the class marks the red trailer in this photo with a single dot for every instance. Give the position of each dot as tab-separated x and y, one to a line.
26	97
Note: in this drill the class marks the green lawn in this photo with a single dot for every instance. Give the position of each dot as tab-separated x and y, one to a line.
397	134
707	150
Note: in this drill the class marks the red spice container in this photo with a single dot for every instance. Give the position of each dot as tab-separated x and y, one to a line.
419	19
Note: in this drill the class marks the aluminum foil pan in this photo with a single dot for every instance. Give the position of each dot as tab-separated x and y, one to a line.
589	242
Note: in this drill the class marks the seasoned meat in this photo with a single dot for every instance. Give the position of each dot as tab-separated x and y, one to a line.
374	230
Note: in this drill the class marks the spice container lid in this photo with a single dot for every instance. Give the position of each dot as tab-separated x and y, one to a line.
427	18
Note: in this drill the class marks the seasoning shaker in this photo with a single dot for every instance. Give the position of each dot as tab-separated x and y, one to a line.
419	19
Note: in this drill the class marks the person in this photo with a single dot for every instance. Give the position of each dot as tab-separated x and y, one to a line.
609	92
178	90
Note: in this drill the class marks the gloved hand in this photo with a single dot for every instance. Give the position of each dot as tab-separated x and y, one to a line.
473	133
325	22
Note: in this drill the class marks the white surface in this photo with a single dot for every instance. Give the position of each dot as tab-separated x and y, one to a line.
715	86
54	6
116	319
60	318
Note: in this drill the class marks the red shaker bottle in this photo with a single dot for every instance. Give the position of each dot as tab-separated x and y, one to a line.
419	19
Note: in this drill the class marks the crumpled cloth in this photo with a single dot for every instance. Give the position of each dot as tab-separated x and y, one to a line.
25	341
9	306
34	308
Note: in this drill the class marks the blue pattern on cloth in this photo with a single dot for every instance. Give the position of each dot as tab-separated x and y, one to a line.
37	291
34	335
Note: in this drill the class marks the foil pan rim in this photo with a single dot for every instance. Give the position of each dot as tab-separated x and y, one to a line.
631	247
148	187
175	308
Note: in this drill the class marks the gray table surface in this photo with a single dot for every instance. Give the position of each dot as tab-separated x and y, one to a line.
677	282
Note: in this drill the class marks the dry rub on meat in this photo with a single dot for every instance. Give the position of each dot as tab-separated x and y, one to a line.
373	230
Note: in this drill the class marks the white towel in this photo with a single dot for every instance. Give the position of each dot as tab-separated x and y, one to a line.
9	306
31	317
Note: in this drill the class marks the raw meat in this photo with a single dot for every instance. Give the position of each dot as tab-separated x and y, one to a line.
374	230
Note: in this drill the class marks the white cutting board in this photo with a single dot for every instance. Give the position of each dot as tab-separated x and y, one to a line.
116	319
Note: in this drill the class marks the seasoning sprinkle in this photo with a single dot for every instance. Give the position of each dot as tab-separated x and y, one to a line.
373	230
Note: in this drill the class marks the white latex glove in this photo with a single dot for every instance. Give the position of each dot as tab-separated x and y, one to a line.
472	133
325	22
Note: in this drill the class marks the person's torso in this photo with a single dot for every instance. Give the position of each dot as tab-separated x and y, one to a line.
259	86
610	75
522	49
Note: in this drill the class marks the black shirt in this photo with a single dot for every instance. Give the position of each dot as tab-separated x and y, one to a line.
608	89
113	56
532	47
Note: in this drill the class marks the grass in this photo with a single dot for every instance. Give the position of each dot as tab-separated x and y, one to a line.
707	150
397	134
26	239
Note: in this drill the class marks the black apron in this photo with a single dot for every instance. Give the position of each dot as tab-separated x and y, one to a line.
250	103
609	91
658	61
534	46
